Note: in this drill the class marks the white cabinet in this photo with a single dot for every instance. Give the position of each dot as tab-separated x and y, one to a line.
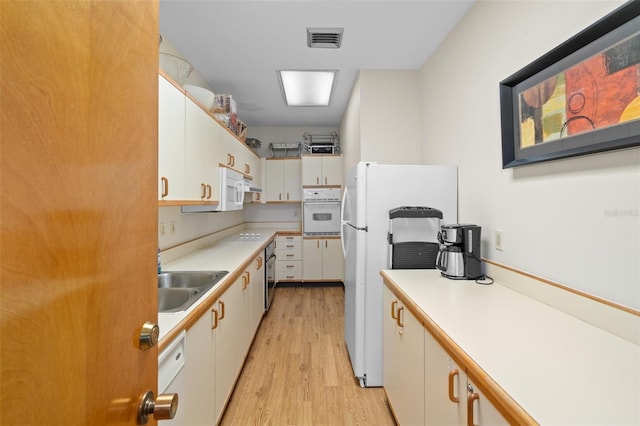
289	258
445	386
191	146
449	393
197	401
322	259
403	354
423	383
283	180
257	294
480	411
321	170
201	168
171	141
218	345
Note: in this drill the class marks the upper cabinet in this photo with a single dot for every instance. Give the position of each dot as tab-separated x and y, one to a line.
202	179
171	142
192	145
282	177
321	170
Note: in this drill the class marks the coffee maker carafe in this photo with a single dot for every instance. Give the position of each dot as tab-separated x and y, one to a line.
459	255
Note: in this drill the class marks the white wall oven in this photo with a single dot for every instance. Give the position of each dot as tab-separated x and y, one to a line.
321	212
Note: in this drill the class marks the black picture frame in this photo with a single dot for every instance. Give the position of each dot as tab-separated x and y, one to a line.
621	24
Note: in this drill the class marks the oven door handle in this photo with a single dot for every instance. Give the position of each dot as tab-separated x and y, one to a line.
315	203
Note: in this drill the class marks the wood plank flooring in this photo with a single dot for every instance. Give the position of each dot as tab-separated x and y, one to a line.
298	370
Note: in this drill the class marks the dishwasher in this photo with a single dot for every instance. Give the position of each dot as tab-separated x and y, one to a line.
171	375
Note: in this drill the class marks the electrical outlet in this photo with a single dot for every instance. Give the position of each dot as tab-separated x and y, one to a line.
499	240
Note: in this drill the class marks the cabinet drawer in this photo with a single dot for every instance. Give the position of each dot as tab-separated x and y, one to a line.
294	253
290	266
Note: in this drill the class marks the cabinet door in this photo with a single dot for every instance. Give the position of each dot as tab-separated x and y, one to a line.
200	138
230	339
332	170
445	386
257	294
171	141
312	255
197	399
480	411
274	176
311	171
292	184
403	350
332	260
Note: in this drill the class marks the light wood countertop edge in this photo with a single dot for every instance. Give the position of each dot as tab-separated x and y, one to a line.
503	402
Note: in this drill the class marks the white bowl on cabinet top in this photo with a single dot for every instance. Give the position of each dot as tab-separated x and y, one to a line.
202	95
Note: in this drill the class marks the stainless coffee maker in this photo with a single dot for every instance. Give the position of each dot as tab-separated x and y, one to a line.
459	255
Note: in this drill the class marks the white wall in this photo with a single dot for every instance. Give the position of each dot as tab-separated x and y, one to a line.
382	120
573	221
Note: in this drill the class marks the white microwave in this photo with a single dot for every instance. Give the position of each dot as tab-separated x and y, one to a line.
231	190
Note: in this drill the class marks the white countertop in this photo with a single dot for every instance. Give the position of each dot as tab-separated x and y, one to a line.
559	369
227	254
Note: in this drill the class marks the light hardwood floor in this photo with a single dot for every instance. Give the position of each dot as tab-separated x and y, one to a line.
298	371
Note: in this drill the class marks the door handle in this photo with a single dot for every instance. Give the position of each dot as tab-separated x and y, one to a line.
149	335
163	408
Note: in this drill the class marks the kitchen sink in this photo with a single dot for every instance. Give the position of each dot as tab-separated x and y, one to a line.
177	290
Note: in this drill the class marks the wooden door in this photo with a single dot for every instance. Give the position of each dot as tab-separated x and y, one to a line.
78	209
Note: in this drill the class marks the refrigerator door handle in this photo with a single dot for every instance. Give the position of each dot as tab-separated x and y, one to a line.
344	248
344	198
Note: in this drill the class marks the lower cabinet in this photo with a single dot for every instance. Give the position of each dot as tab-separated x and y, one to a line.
218	344
403	361
322	259
445	386
289	258
424	385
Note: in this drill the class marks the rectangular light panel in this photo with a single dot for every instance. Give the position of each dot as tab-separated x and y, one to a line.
307	88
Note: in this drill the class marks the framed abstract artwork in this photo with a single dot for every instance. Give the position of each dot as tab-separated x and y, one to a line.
580	98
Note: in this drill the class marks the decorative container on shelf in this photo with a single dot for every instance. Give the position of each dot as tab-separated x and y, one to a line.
291	149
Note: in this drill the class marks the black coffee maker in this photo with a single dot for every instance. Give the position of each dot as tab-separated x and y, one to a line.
459	255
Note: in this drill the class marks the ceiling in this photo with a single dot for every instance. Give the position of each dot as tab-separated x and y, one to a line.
237	46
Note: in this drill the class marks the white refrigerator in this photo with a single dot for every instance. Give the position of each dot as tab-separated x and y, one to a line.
370	192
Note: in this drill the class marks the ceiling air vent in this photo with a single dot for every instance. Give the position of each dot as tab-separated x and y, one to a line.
330	38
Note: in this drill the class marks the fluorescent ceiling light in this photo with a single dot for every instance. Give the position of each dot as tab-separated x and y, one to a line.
307	88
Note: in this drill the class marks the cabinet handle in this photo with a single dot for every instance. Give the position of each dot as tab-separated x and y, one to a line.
231	161
221	303
247	168
452	375
165	186
204	190
399	319
318	244
326	244
245	280
280	196
287	196
393	310
289	255
289	246
290	266
471	397
248	278
317	180
208	192
259	259
215	319
325	180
